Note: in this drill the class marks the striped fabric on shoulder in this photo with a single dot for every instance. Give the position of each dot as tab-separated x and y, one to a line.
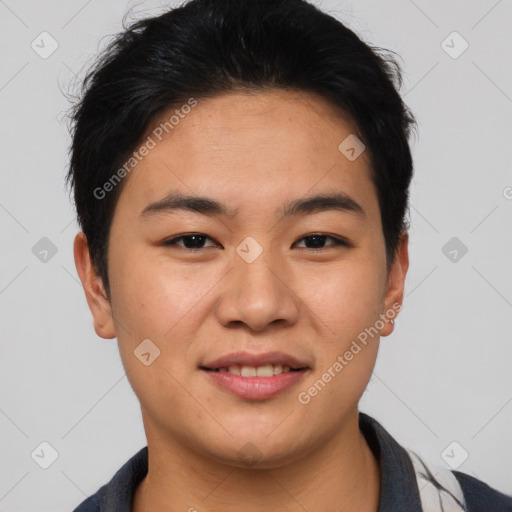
439	488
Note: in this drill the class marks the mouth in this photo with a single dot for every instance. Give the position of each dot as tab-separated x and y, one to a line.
266	370
256	376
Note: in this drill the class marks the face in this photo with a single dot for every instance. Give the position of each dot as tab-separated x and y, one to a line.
250	285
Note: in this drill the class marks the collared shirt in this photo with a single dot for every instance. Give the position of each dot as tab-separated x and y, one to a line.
401	479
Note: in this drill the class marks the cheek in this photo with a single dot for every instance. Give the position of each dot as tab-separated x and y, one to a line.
163	302
348	301
150	295
347	297
152	302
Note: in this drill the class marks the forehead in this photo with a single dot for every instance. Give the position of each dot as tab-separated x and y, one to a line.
250	145
279	119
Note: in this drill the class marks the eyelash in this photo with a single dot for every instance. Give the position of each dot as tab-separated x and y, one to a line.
337	241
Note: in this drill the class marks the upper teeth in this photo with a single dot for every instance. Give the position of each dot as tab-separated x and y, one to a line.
266	370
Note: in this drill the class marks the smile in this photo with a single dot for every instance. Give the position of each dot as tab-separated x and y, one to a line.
253	376
267	370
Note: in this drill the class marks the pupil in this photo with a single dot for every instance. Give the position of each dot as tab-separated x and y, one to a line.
190	239
317	238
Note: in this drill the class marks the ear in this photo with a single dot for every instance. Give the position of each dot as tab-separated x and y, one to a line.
395	284
95	294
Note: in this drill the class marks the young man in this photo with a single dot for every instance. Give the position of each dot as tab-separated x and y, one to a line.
241	173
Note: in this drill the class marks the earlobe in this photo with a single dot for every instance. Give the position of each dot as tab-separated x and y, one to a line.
395	285
94	289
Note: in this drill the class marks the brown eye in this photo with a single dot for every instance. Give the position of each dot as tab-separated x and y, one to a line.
317	241
191	242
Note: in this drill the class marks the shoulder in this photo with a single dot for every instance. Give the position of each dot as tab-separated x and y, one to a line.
480	497
407	479
456	490
118	493
92	503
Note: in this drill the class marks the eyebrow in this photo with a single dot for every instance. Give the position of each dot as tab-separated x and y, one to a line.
212	208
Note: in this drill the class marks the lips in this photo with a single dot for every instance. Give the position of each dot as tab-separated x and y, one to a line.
255	376
255	361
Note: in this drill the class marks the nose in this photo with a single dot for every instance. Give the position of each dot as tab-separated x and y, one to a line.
257	294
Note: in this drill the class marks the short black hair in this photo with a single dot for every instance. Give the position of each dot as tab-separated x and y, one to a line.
205	48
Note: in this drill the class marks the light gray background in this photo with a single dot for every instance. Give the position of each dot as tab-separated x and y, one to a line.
442	376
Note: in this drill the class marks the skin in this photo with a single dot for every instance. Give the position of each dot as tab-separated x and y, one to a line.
253	152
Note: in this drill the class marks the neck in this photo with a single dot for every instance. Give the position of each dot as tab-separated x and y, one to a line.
342	471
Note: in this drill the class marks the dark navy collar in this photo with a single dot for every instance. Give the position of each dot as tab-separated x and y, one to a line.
398	485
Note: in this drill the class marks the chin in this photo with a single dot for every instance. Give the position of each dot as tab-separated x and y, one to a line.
257	452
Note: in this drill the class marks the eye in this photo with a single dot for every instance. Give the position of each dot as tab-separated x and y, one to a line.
192	242
318	239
